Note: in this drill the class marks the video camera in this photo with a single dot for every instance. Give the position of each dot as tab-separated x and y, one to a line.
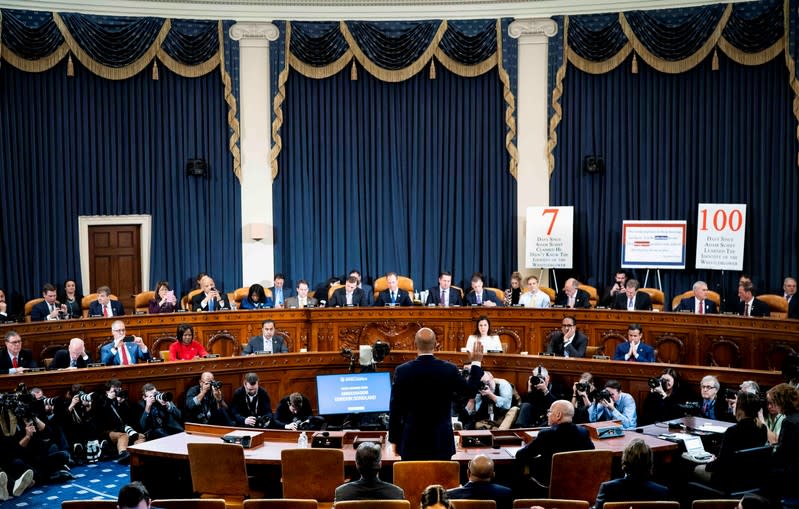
368	356
19	402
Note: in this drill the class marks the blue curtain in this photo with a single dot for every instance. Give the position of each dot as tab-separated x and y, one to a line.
90	146
671	142
410	177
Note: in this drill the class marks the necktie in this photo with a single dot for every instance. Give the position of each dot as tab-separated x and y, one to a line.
747	309
479	298
105	311
393	298
701	307
73	363
211	303
705	407
630	304
123	353
443	298
14	362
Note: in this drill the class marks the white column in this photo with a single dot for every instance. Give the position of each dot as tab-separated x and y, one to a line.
256	140
532	124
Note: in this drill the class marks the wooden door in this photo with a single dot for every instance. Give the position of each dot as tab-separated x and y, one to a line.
115	261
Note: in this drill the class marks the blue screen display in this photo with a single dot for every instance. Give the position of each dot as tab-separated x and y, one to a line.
353	393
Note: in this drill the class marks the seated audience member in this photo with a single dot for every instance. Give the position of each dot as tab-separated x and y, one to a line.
164	300
534	297
435	496
443	295
572	297
133	496
122	350
480	473
582	396
301	300
699	303
634	349
749	304
664	399
160	416
568	341
205	403
609	295
369	487
613	404
256	298
488	407
772	419
350	295
632	299
746	433
636	463
210	299
291	411
393	295
785	467
13	358
50	308
105	306
250	405
70	297
5	311
279	292
186	347
562	435
267	341
74	356
27	445
514	293
537	400
709	406
789	289
116	420
480	296
481	335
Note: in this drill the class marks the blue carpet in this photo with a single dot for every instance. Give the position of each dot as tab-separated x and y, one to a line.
99	481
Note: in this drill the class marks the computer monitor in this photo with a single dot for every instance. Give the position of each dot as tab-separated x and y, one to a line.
353	393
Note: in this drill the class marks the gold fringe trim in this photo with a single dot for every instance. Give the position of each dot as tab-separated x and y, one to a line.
354	71
791	64
598	67
70	67
557	92
387	74
230	99
280	96
714	65
432	75
510	101
463	70
155	69
634	64
679	66
319	73
190	71
759	58
40	65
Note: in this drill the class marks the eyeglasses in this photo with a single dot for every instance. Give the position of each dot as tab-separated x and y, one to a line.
15	342
708	387
567	325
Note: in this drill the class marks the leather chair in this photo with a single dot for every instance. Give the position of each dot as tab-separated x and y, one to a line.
312	473
332	289
657	296
141	302
404	283
185	302
373	504
549	503
88	299
498	292
459	289
593	296
280	503
465	503
189	503
415	476
715	503
89	504
713	296
776	303
205	463
594	467
239	295
659	504
552	293
749	468
29	307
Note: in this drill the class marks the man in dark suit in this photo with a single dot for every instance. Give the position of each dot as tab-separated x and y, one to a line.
571	296
120	352
13	358
104	306
634	349
250	405
210	299
561	436
49	309
279	292
369	487
699	303
420	423
393	295
789	287
74	356
480	473
636	463
749	305
367	290
267	341
609	295
479	296
5	312
301	299
568	342
443	294
631	299
350	295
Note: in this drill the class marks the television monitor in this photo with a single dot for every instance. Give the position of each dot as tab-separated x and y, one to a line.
353	393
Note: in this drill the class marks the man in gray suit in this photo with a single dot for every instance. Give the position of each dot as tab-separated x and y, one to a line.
369	486
267	341
301	300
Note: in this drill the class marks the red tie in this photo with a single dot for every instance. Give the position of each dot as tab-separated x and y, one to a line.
105	311
701	307
14	362
123	352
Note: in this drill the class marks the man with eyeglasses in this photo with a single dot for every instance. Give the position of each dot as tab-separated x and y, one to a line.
568	341
14	359
123	350
709	388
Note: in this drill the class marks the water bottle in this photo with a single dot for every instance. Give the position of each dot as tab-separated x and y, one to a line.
302	442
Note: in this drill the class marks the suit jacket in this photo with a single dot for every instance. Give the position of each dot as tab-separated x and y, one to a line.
62	360
294	302
240	408
484	491
339	298
420	422
793	307
256	344
403	299
287	292
575	349
368	489
744	434
221	303
24	360
95	309
370	294
135	355
689	304
39	312
581	300
538	453
759	308
434	297
645	352
630	488
643	302
471	298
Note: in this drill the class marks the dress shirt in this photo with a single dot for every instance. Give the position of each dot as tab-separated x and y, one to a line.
534	300
278	294
504	393
631	304
490	343
268	345
624	411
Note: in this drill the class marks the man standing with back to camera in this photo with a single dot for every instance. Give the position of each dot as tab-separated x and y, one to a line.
420	423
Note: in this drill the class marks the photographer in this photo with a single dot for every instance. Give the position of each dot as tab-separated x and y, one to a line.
79	427
160	417
28	445
583	392
250	405
115	419
489	406
537	400
205	403
612	404
292	411
664	399
51	412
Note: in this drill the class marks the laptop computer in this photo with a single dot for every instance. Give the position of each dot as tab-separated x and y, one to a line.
695	449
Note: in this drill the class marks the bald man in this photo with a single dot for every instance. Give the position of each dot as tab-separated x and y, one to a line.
75	356
561	436
571	296
480	487
420	423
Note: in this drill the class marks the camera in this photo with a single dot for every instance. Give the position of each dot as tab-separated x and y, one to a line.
216	384
604	395
50	401
262	421
163	397
128	339
484	386
123	394
132	433
380	350
654	383
535	380
582	386
730	394
85	398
